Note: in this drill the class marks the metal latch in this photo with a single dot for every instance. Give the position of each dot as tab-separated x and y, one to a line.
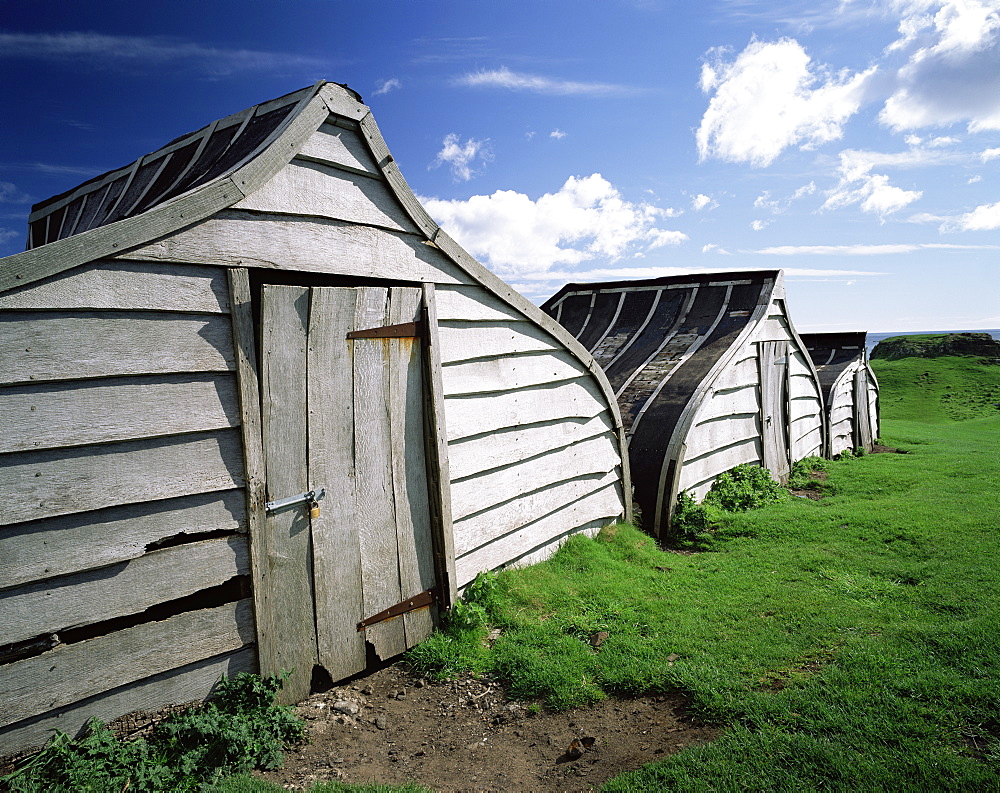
405	330
424	599
310	497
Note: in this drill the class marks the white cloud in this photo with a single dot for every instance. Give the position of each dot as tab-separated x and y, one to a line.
952	71
461	157
9	194
858	185
760	225
518	81
385	86
989	154
982	218
702	201
6	235
586	219
772	97
713	248
974	179
558	134
863	250
777	206
98	49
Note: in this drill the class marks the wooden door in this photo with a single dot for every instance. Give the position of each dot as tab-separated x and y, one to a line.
347	415
862	412
772	358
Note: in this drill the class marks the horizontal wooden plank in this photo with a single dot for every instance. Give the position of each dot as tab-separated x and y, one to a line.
600	507
699	470
474	303
73	672
511	372
745	399
712	434
67	544
484	527
36	485
341	147
246	239
36	347
477	493
476	414
315	190
126	286
76	413
739	374
187	684
503	447
462	340
803	386
121	589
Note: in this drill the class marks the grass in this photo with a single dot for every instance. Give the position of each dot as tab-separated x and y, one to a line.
847	643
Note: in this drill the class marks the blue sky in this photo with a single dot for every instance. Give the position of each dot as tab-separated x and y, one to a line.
854	144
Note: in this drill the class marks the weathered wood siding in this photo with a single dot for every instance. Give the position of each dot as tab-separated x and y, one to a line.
727	429
122	513
533	455
805	401
529	431
841	410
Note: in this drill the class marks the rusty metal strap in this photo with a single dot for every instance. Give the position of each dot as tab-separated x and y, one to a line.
405	330
424	599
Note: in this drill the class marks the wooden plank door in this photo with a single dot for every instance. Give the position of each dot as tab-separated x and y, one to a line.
862	412
358	432
772	358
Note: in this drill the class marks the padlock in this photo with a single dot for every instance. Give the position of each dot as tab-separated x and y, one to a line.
313	508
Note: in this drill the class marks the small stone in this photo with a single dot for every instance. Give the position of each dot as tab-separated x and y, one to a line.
346	707
400	695
380	723
337	760
367	691
420	683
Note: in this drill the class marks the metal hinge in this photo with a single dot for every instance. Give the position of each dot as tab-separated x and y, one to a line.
424	599
405	330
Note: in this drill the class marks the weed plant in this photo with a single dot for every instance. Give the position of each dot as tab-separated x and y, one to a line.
847	643
745	487
240	729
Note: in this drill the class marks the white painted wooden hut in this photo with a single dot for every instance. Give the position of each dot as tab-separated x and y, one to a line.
850	389
259	310
709	373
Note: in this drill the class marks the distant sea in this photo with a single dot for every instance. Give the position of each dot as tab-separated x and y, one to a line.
875	338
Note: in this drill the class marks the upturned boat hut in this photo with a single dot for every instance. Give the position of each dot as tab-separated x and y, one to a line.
260	413
709	373
850	390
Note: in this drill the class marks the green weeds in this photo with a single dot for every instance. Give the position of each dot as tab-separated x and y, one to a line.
745	487
241	729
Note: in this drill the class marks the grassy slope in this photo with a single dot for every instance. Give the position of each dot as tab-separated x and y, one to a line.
852	642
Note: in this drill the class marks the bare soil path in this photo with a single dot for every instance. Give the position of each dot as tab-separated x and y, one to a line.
465	735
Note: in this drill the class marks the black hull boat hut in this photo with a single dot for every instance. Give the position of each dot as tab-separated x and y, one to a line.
709	373
850	390
261	413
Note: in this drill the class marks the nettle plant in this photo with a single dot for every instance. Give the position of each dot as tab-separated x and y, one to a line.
745	487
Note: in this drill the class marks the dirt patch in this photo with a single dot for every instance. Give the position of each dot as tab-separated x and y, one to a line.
879	449
465	735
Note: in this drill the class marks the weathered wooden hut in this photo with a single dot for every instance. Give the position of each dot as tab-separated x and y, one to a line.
709	373
850	390
197	344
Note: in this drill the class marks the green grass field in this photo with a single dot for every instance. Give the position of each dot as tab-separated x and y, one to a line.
847	643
